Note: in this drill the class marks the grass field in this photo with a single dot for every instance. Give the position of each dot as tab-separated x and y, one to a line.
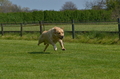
95	36
67	27
22	59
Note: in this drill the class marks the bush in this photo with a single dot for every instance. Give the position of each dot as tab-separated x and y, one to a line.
38	15
57	16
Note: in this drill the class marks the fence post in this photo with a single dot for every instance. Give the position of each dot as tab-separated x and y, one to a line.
2	31
73	29
43	27
40	22
21	29
119	27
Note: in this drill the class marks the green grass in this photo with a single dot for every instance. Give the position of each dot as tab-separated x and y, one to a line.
67	27
93	37
23	59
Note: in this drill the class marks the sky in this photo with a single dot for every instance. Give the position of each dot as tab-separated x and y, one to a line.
48	4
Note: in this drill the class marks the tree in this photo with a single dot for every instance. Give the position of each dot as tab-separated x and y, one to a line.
96	5
7	6
4	5
4	2
69	6
114	5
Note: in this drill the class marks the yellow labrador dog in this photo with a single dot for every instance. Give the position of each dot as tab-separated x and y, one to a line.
52	36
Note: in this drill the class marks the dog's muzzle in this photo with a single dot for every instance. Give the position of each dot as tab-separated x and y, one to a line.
61	37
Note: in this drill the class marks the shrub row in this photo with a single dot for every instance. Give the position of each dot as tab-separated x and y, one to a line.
53	16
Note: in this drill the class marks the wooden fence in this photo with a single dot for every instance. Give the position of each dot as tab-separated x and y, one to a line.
40	24
41	28
20	25
119	27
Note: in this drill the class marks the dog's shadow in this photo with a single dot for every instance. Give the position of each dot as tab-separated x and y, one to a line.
39	52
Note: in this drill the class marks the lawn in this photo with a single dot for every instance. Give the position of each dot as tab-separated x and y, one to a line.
67	27
22	59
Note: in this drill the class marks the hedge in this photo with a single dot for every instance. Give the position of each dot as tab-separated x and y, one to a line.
57	16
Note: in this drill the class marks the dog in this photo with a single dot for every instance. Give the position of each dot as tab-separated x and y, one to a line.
52	36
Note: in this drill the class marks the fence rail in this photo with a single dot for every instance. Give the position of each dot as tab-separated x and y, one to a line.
41	26
21	27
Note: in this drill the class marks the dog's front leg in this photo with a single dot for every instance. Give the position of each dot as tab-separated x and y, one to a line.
53	44
61	44
55	48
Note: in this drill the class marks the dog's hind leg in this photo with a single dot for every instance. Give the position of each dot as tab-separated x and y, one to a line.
46	47
40	41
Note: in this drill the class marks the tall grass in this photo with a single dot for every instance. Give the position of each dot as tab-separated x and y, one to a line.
100	38
16	36
91	37
94	36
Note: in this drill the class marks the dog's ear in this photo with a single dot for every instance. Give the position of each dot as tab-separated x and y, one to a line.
54	30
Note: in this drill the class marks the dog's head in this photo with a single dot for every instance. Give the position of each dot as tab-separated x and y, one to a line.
58	32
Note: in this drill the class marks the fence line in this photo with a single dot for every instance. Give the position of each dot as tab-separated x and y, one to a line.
41	28
2	31
73	29
119	27
42	24
21	28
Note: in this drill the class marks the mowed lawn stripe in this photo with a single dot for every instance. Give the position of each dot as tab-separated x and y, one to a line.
22	59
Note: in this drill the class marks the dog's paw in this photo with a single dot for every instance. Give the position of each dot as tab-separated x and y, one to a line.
63	49
55	49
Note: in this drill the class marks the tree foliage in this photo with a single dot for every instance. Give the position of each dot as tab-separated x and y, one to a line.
56	16
113	4
69	6
7	6
96	4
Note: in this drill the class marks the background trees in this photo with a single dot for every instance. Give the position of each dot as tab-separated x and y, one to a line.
56	16
96	4
7	6
69	6
98	10
113	5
